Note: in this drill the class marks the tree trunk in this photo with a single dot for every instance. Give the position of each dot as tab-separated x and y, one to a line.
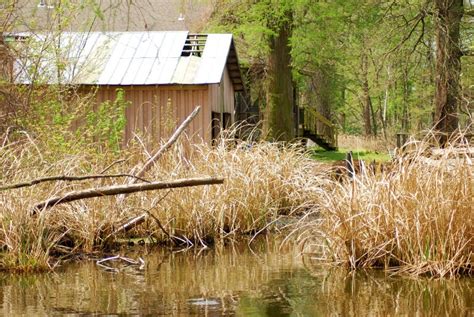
322	95
279	117
343	117
366	101
383	113
448	65
406	99
373	113
6	64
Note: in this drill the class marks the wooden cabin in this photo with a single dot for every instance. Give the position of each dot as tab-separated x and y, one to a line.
164	75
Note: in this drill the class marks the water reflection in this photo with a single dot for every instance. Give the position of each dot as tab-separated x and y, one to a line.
270	281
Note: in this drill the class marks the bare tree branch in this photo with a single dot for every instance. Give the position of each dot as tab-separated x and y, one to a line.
123	189
148	164
66	178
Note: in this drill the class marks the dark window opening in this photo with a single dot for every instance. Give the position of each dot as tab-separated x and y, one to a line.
194	45
226	120
215	126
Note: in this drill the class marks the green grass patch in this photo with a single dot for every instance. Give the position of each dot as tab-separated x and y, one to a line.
331	156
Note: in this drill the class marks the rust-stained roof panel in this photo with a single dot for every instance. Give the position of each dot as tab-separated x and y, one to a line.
131	58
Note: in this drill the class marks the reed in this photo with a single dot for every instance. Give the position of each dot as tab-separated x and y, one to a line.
416	219
263	182
365	143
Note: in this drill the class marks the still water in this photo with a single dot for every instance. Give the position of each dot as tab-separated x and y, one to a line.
267	280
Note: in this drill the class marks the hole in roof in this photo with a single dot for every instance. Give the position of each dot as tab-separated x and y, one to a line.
194	45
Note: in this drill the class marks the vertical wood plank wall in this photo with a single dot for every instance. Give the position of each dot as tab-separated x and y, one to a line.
156	110
222	96
229	95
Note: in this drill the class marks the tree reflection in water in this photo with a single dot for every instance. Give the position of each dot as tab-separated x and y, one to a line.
268	280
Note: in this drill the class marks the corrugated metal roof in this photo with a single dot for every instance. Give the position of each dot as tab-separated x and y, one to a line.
126	58
215	54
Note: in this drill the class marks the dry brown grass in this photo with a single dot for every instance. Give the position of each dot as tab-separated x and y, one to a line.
262	182
416	219
362	143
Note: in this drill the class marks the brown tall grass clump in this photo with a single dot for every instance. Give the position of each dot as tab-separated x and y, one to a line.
417	219
364	143
263	182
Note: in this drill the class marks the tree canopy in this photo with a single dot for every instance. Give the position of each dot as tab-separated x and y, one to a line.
371	66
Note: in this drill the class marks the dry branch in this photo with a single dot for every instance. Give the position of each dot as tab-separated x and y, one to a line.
131	224
66	178
111	165
123	189
149	163
140	262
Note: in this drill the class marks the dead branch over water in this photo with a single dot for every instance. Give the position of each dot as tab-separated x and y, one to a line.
123	189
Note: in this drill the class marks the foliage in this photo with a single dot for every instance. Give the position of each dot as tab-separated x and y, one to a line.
106	124
48	113
330	41
62	117
64	120
332	156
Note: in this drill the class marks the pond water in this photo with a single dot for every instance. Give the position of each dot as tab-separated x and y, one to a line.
267	280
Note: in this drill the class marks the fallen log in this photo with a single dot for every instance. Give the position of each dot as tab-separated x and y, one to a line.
131	224
123	189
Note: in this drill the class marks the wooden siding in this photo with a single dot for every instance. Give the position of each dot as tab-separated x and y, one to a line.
222	97
156	110
228	95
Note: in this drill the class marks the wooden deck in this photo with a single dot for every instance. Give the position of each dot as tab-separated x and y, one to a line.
317	128
310	124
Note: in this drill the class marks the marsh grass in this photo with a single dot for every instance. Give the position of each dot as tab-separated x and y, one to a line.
263	183
359	143
416	219
339	155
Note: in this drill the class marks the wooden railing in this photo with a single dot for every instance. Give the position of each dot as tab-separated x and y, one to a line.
316	124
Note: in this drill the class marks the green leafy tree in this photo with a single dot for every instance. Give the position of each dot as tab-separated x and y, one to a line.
372	66
448	15
266	27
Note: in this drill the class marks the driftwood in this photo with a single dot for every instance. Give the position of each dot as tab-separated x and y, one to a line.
127	261
149	163
131	224
123	189
66	178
